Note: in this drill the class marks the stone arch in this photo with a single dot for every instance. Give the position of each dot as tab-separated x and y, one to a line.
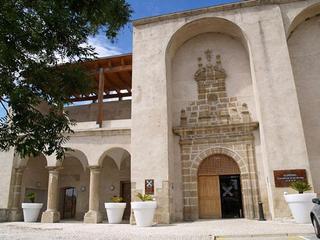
22	162
78	154
198	27
201	30
218	164
118	154
204	25
219	150
303	15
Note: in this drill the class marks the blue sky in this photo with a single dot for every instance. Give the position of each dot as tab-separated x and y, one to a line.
146	8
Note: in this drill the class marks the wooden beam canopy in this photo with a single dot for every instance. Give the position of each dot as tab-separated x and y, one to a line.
112	76
116	71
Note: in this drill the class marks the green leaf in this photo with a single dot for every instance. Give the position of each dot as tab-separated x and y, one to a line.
144	197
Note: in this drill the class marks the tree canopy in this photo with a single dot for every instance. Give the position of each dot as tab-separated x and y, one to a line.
35	36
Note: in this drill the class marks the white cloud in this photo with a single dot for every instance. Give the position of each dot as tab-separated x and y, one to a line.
102	47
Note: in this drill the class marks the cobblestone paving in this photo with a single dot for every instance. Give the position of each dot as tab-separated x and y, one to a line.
199	230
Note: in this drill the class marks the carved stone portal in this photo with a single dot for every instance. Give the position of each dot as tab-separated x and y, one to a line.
216	124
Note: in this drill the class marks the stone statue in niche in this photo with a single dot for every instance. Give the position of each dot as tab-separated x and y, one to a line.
213	106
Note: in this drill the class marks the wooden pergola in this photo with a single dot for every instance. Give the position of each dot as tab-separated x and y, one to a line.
113	80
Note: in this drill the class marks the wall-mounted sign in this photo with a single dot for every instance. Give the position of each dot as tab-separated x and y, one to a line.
283	178
149	186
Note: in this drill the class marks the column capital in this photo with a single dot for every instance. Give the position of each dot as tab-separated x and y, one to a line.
95	167
20	169
54	168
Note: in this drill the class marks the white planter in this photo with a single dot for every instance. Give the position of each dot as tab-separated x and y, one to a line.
115	211
300	206
31	211
144	212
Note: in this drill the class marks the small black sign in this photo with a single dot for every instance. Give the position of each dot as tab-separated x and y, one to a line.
149	186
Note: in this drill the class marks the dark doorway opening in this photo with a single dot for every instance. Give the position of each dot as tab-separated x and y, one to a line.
69	203
231	197
125	193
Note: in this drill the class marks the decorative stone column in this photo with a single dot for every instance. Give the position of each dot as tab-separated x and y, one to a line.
93	215
52	215
15	211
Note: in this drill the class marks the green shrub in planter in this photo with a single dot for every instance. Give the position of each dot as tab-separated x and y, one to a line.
144	210
116	199
31	197
300	186
144	197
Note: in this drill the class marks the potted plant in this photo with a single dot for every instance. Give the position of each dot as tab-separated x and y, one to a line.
144	210
31	210
300	204
115	209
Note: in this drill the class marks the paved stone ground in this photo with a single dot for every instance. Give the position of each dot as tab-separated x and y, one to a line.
187	231
266	237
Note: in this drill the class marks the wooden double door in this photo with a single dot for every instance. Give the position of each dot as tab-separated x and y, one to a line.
220	197
219	188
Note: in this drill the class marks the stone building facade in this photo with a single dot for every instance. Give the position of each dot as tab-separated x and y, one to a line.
221	98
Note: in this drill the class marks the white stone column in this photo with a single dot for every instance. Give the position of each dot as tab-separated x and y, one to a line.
15	211
93	215
52	214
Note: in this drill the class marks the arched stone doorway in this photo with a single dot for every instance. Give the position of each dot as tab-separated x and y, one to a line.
248	176
219	188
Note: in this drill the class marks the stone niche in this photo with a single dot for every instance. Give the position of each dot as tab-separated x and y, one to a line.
216	124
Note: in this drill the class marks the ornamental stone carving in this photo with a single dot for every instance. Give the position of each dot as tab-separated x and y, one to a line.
213	106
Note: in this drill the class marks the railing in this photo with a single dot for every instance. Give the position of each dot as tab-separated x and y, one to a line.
115	110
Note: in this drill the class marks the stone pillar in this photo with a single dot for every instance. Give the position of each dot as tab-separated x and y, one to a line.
15	211
282	140
93	215
52	214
